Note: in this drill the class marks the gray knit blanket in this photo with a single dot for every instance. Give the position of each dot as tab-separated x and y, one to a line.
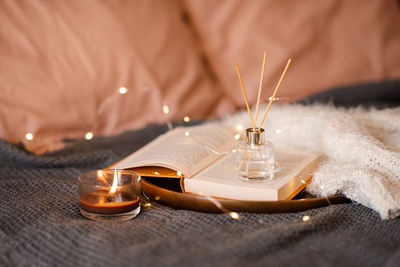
40	222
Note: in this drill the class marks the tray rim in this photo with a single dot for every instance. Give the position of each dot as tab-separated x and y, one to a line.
186	201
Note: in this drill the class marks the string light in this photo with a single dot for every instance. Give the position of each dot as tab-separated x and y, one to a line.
147	205
278	131
306	218
123	90
239	127
237	136
304	182
165	109
179	173
88	135
156	173
29	136
187	133
186	119
234	215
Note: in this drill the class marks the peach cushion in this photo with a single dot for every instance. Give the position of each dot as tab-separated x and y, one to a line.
332	42
62	63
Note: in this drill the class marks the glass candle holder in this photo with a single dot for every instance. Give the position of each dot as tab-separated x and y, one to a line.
256	157
109	194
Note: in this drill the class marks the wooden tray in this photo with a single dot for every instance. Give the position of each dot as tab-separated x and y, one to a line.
167	191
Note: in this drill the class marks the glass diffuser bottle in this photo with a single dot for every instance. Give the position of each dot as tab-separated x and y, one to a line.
256	159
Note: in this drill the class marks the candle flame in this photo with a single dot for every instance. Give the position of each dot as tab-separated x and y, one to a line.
115	183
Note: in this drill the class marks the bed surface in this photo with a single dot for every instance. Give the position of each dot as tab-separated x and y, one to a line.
40	222
41	225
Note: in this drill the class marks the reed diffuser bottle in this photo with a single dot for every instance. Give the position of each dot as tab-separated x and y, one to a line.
256	158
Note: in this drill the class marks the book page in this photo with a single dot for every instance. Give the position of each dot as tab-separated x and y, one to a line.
185	149
220	179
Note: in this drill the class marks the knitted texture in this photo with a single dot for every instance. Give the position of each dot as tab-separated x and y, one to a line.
360	150
40	222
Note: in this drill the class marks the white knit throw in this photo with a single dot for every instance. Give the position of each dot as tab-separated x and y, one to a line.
360	149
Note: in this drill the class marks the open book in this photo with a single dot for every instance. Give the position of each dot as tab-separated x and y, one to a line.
203	156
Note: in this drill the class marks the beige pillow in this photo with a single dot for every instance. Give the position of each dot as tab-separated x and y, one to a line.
63	62
332	42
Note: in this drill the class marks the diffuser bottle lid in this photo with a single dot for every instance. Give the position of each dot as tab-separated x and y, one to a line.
256	137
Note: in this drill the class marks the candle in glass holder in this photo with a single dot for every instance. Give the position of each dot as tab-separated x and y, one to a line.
109	194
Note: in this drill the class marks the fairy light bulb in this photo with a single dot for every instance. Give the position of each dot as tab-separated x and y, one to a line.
187	133
186	119
165	109
234	215
29	136
239	127
89	136
179	173
147	205
306	218
123	90
278	131
237	136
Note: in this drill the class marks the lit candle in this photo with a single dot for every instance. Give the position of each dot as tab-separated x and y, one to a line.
109	194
